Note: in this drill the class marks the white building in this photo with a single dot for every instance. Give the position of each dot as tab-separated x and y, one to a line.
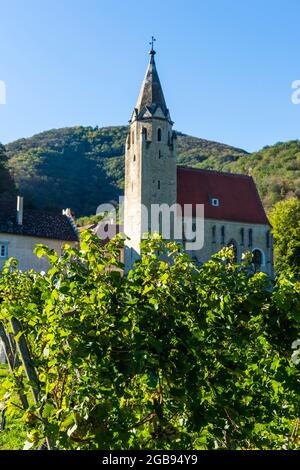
22	229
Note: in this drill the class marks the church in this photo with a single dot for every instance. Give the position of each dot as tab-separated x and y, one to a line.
233	212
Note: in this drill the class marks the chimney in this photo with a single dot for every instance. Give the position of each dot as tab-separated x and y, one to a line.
20	210
67	212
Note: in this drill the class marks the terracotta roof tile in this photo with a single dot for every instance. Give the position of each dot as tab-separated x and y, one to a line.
39	224
237	194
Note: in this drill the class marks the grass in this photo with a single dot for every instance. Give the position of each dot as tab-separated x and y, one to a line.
13	436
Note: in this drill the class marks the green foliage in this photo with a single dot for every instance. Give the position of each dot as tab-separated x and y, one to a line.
285	219
116	215
13	436
202	153
89	220
82	167
72	167
169	357
7	187
275	169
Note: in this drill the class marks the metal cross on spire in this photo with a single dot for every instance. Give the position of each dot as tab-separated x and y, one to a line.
152	51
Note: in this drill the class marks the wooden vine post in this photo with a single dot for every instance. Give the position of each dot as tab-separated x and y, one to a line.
30	372
13	362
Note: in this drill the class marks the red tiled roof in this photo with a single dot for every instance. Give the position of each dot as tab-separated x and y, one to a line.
40	224
238	196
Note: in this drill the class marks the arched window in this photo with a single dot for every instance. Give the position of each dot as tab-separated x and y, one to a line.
159	134
145	132
223	235
257	260
134	158
233	245
158	184
132	137
213	234
242	232
159	154
250	234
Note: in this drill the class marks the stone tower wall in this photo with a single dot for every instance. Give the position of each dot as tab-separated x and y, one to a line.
150	177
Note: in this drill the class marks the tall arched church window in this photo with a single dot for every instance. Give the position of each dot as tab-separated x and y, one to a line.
242	232
145	133
250	234
233	245
268	238
213	234
159	134
223	235
132	137
257	260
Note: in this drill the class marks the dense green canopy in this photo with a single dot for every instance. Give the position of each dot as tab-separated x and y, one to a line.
7	185
81	167
169	357
285	220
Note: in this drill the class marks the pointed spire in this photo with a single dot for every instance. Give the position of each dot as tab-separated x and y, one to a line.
151	94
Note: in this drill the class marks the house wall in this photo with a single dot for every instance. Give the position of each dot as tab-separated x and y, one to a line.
21	247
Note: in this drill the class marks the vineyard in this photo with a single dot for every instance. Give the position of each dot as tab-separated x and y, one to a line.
169	357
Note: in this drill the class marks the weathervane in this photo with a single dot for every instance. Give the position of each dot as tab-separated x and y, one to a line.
152	44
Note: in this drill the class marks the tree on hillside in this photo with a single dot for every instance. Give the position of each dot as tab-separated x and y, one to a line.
82	167
3	162
7	185
275	169
285	219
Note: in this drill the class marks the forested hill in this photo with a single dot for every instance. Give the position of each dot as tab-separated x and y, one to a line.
6	183
7	186
81	167
275	169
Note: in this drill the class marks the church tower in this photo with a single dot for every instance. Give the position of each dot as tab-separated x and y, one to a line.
150	161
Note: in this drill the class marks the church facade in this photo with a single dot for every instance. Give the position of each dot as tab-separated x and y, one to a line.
233	212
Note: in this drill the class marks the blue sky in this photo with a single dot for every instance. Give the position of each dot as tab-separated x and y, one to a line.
226	66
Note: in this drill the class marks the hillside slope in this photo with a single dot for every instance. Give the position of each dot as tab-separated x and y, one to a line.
7	186
275	169
81	167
